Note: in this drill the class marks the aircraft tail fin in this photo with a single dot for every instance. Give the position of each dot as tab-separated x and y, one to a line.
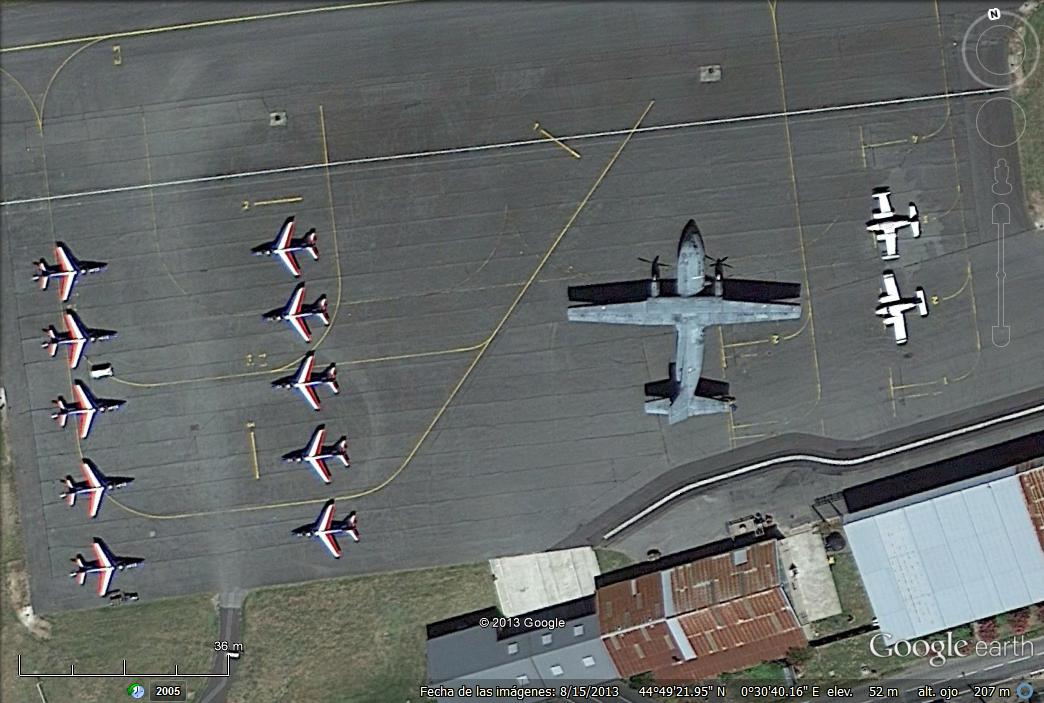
342	450
80	575
41	276
61	414
915	221
70	492
322	305
312	242
52	340
330	378
922	306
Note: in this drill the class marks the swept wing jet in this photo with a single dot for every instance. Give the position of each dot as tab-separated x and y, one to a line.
893	307
105	564
690	303
297	312
325	529
284	246
316	454
76	337
85	407
302	380
67	269
885	222
94	485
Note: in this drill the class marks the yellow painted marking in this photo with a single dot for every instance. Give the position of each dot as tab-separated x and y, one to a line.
117	55
253	450
914	385
197	25
32	103
245	205
262	359
862	146
775	339
890	142
732	345
935	300
891	392
742	425
278	201
721	347
967	280
467	372
544	133
749	436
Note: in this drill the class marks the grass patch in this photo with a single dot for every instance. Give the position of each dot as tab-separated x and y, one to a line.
766	671
352	640
846	659
1030	97
855	606
610	560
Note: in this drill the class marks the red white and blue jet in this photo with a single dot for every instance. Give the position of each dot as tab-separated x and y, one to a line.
105	564
325	529
85	407
67	269
94	485
76	337
297	312
302	380
284	246
316	454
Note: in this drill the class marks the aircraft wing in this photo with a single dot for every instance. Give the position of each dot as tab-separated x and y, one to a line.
891	290
309	395
89	474
76	348
898	325
301	327
65	259
621	314
320	468
889	238
330	542
105	580
106	563
304	371
315	444
619	292
286	233
94	504
290	261
86	421
884	205
65	286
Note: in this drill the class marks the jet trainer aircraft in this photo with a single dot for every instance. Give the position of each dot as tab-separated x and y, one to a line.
85	407
94	484
296	312
690	303
67	268
105	564
284	246
325	529
76	336
316	454
886	222
302	380
893	307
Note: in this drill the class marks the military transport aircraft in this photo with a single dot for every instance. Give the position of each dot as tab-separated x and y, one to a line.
893	307
302	380
296	312
325	529
85	407
284	246
886	222
67	268
105	564
690	303
94	484
316	454
76	336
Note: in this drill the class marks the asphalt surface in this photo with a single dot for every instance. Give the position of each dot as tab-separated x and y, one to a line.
425	256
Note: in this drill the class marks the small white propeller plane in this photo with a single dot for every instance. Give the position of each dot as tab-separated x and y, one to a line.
315	454
885	223
325	529
284	246
893	307
76	337
67	269
105	564
297	312
94	485
302	380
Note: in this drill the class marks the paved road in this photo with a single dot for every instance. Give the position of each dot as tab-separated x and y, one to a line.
230	620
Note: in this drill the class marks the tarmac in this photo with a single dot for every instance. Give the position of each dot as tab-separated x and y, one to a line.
480	422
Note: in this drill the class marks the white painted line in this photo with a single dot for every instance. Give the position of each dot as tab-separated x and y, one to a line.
502	145
927	441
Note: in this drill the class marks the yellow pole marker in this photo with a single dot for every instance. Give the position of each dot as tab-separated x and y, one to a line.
253	450
117	55
544	133
279	201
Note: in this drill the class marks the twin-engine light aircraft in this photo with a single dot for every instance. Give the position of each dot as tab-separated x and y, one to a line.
105	564
885	222
690	303
85	407
76	337
325	529
94	485
296	312
303	381
316	454
67	269
893	307
284	246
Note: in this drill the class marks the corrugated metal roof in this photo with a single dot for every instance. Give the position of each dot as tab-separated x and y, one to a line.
703	583
628	603
1033	493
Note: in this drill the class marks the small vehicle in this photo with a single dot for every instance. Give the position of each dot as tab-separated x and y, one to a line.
101	370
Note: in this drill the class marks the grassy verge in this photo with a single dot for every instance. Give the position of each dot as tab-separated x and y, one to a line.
609	560
764	672
855	606
847	658
353	640
151	636
1031	146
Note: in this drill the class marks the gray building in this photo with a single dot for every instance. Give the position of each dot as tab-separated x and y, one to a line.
528	654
